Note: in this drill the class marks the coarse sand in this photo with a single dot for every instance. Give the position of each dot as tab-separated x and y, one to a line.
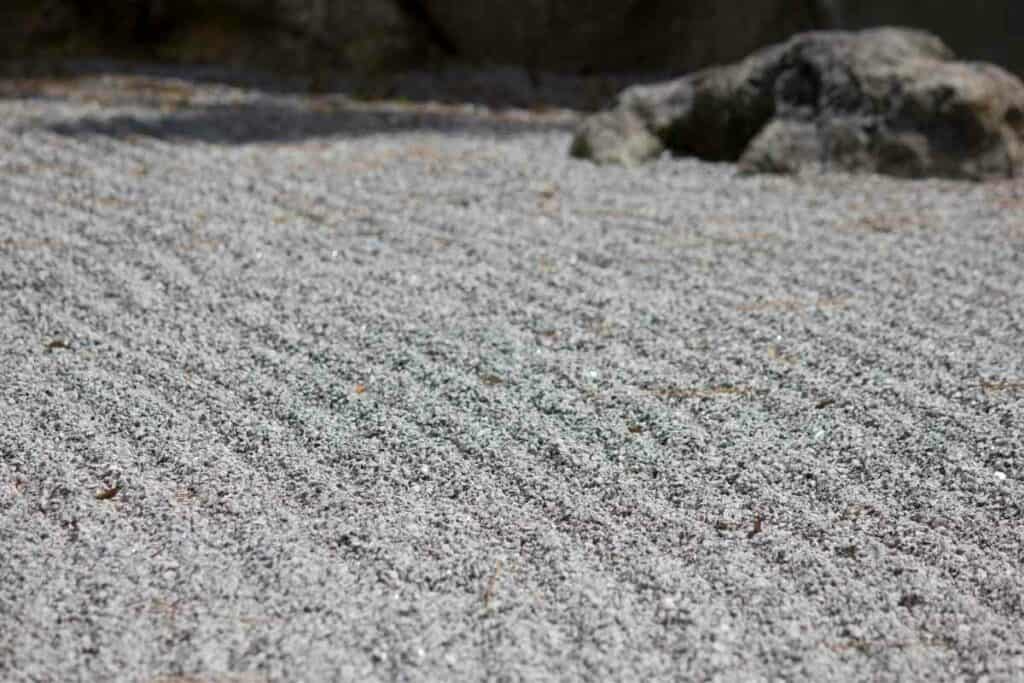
314	388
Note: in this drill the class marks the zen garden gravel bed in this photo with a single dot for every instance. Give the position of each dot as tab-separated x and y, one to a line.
315	388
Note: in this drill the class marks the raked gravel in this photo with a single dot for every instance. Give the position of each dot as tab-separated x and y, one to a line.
304	388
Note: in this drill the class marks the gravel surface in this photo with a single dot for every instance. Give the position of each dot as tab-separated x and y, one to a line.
307	388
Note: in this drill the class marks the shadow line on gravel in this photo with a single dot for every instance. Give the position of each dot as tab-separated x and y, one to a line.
496	87
313	118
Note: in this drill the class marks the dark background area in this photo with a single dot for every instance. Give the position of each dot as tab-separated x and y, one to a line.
321	38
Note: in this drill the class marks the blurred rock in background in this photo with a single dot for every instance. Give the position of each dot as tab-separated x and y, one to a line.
603	35
540	35
284	35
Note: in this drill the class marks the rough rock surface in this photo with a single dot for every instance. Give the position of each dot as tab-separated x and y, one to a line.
308	389
611	137
889	100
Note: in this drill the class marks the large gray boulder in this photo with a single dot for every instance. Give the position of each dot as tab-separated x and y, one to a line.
891	101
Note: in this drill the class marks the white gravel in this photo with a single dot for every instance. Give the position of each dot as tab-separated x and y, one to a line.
308	389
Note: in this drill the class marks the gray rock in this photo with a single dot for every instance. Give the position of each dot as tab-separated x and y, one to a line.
618	139
890	101
782	146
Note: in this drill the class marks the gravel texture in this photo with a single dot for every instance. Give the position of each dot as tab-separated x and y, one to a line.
306	388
